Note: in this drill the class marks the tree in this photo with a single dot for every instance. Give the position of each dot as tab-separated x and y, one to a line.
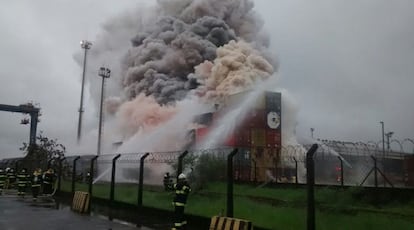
44	151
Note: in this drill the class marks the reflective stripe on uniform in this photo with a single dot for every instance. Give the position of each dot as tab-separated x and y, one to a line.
178	204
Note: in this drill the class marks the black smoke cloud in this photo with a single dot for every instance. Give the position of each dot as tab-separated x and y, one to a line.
186	34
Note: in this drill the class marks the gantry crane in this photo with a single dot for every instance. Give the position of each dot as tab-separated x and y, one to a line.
30	109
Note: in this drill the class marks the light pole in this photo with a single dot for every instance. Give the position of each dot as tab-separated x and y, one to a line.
383	141
104	73
86	45
383	148
388	135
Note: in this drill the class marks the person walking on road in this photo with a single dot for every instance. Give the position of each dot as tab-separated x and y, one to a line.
182	189
36	181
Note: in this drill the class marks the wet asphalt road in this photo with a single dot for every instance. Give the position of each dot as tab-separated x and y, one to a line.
18	213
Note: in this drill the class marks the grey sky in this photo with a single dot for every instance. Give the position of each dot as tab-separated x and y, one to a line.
349	64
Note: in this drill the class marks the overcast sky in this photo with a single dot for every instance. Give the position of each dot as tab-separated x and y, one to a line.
348	64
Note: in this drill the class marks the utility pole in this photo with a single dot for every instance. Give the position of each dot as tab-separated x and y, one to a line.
388	135
104	73
383	148
86	45
383	141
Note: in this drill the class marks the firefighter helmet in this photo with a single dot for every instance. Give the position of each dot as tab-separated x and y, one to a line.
182	176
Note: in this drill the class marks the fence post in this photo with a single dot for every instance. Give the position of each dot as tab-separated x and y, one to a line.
141	179
296	170
275	170
255	170
375	171
230	183
74	173
60	174
91	175
180	163
310	179
342	171
112	194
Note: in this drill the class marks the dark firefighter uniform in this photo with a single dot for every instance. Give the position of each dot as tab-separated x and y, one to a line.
3	178
22	182
48	180
11	176
167	182
182	189
36	181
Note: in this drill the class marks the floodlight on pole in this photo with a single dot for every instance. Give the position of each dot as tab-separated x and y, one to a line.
383	139
388	135
104	73
86	45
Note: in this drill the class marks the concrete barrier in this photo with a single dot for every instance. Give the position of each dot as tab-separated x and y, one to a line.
227	223
80	202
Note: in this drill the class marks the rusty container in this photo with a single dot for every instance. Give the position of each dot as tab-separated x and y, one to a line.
258	137
273	138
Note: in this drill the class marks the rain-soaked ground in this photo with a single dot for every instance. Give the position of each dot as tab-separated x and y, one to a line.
18	213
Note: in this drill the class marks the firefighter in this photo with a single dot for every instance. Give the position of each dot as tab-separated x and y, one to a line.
48	180
22	181
167	182
88	177
3	178
36	181
11	177
182	189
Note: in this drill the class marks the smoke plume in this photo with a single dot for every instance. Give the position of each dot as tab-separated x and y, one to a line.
186	34
177	50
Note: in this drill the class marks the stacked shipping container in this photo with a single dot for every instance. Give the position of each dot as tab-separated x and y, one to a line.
259	132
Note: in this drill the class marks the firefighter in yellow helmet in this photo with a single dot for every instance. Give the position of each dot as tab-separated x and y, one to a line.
182	189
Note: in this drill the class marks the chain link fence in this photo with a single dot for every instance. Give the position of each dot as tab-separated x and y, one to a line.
336	163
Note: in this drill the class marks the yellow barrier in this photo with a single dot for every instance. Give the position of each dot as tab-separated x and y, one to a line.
80	202
227	223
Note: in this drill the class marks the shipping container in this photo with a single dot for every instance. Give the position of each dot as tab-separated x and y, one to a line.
230	141
273	101
204	119
409	163
273	138
409	170
256	119
258	137
273	120
200	134
243	137
237	98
